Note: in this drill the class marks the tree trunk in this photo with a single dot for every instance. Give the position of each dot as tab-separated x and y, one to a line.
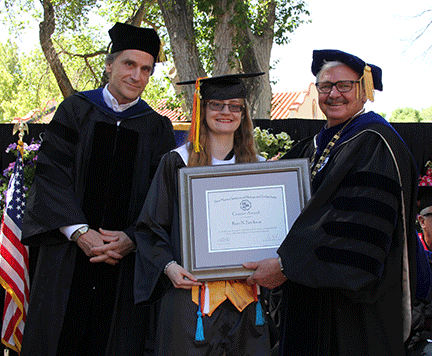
256	58
255	49
255	55
178	16
225	62
141	13
46	29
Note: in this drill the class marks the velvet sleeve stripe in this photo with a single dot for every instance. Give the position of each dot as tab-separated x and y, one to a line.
366	205
48	170
55	155
63	132
350	258
373	180
350	230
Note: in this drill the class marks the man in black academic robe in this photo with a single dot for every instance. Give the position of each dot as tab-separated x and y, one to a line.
94	168
348	264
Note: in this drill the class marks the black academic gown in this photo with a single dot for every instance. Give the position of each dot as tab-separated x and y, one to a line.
95	166
226	331
344	256
158	247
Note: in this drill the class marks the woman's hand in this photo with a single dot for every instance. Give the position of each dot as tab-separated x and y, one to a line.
181	278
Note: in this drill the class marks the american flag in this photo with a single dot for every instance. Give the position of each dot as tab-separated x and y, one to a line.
14	261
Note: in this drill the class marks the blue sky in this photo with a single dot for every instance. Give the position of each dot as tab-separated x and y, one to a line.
376	31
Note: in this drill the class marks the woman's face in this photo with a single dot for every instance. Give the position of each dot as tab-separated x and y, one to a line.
224	116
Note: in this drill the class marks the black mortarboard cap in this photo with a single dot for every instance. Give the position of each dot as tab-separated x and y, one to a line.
355	63
424	197
223	87
125	36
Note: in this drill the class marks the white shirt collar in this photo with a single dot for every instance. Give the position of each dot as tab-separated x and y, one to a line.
113	103
184	154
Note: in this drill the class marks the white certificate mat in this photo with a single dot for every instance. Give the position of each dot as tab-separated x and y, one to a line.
231	214
245	219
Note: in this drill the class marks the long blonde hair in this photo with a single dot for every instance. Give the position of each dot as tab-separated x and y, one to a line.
244	143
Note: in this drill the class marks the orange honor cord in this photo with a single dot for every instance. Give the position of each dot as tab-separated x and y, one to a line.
255	291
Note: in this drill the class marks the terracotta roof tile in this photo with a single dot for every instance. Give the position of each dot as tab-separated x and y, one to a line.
173	115
283	103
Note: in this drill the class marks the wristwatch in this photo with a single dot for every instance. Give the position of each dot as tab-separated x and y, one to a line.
280	264
82	230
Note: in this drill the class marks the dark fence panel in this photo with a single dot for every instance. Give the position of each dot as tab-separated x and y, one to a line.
417	136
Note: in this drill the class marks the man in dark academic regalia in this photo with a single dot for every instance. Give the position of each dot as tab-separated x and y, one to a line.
94	169
424	217
348	264
420	341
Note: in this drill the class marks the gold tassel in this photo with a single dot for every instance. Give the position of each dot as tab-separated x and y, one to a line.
198	120
368	83
161	55
196	117
20	148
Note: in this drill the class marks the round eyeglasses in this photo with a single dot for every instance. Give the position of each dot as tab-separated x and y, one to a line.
343	86
219	106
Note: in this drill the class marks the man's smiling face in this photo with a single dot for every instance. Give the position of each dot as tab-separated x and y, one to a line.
339	107
129	74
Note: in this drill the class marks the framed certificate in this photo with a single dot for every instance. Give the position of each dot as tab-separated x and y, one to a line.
236	213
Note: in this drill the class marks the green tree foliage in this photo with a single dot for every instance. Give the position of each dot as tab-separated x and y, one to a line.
248	15
26	82
30	84
210	38
405	115
426	114
73	36
10	75
83	57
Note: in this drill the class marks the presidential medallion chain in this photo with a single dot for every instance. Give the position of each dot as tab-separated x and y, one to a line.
326	151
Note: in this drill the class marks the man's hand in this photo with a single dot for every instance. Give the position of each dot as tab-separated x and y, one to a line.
267	273
116	245
181	278
93	239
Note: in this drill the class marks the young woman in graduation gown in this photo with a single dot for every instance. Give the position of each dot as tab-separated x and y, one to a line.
227	309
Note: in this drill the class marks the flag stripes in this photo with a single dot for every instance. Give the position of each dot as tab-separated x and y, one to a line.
14	262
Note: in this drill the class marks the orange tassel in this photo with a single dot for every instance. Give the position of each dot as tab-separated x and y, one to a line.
196	117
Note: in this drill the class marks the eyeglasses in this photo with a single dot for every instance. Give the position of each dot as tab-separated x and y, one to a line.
427	214
219	107
343	86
